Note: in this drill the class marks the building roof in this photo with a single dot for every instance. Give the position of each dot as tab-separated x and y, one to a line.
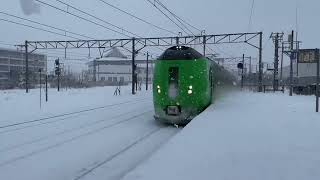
115	53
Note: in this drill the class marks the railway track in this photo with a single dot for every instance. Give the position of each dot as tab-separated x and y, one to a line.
62	117
118	128
70	130
117	154
94	131
67	114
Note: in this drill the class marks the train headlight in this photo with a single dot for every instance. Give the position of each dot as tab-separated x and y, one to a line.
158	89
189	91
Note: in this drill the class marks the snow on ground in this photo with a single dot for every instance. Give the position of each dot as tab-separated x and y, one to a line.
103	143
243	136
28	105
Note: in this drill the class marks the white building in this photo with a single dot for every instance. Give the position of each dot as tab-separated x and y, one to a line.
12	67
304	74
114	68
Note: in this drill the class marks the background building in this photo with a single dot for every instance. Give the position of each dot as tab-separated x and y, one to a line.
12	67
114	68
303	74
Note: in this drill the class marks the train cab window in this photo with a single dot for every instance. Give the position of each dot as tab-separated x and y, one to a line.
173	82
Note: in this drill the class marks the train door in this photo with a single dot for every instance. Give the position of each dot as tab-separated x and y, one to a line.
173	82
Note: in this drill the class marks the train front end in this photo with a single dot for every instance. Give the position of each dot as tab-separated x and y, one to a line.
181	87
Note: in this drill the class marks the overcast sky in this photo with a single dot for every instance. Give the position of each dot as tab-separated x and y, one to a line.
214	16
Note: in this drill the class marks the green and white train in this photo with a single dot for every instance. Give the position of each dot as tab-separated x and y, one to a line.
183	85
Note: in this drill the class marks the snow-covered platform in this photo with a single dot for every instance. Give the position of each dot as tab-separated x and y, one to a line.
243	136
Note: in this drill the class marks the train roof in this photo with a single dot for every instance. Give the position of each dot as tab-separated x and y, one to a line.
180	53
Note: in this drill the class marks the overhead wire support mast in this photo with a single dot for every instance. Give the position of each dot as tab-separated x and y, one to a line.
140	43
277	39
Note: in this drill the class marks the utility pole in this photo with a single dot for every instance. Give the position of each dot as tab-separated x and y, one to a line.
318	80
46	87
27	67
277	38
281	68
40	85
133	66
242	76
147	73
58	71
94	70
250	67
291	65
204	45
250	71
297	55
260	64
276	63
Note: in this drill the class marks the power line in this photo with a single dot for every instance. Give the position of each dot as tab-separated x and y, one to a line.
6	44
167	16
174	15
11	15
85	19
181	22
180	18
138	18
88	20
251	14
33	27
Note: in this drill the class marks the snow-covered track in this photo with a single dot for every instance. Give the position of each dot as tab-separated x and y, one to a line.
97	130
69	113
119	153
37	140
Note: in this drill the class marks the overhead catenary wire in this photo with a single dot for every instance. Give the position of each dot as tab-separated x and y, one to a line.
180	18
175	16
37	28
83	18
136	17
168	17
251	14
42	24
90	21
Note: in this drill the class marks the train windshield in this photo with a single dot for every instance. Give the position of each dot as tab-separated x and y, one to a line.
180	53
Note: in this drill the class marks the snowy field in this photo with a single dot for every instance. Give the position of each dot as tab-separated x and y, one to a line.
243	136
90	134
78	134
